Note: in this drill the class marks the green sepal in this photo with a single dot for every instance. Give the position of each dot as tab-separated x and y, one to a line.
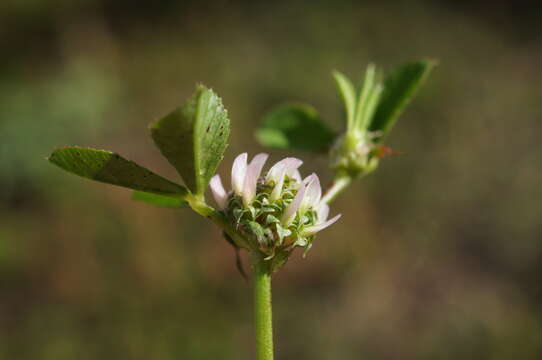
270	219
282	233
295	126
258	232
111	168
193	138
399	89
279	259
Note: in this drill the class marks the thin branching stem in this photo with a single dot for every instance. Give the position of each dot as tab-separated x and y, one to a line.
338	186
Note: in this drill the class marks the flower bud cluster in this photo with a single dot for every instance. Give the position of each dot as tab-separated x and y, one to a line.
356	153
274	213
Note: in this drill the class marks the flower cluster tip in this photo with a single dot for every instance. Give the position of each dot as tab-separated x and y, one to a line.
275	212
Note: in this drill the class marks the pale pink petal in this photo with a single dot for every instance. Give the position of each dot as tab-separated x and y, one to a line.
313	192
254	170
295	175
277	190
292	164
322	212
238	172
289	213
218	191
311	230
308	179
287	164
278	172
275	171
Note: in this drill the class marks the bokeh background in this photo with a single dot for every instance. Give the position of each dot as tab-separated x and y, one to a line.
438	254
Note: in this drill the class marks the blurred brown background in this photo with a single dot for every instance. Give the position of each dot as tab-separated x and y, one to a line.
438	253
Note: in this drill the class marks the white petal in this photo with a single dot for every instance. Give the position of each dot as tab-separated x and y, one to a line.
288	164
218	191
289	213
313	193
322	212
311	230
238	172
254	170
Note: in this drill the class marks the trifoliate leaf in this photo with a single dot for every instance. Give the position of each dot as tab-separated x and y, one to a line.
399	89
193	138
111	168
295	126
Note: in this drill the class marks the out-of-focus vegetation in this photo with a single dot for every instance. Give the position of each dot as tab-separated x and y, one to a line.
438	254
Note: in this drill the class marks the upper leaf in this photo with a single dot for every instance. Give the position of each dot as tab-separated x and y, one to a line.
399	89
295	126
193	138
368	98
348	94
111	168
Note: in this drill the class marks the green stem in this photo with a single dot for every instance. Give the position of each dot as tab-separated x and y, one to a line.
262	307
339	184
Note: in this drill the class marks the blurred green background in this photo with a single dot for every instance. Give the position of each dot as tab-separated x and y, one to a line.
438	254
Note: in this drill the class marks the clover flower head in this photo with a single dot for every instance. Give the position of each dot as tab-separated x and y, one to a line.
275	212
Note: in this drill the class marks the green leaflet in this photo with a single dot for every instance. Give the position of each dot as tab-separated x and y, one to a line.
348	94
111	168
295	126
193	138
368	98
159	200
399	89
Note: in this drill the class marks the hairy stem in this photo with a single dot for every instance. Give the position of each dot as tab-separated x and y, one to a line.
262	307
338	186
